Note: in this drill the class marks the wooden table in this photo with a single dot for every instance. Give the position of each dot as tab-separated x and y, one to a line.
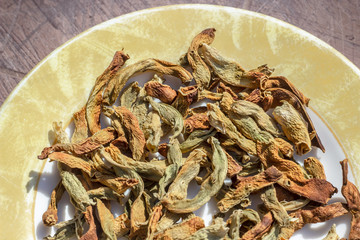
31	29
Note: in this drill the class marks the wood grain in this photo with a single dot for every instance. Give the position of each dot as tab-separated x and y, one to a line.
31	29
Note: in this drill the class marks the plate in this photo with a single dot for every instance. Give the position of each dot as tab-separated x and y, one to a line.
59	85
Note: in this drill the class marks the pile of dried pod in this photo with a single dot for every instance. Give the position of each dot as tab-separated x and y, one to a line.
231	136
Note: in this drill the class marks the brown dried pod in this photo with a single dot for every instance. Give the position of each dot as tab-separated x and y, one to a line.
118	184
199	121
50	216
259	229
161	91
352	196
244	186
121	141
153	220
223	88
135	134
261	98
72	162
81	128
233	166
283	82
89	144
217	230
116	84
201	72
89	218
313	215
293	179
182	230
93	105
185	97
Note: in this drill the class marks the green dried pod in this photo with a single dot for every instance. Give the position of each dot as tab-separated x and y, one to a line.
133	99
332	235
294	127
140	108
277	95
206	94
104	193
242	108
175	160
129	96
220	122
64	232
149	170
190	169
246	185
93	105
228	71
314	167
216	231
195	139
169	115
116	84
238	218
76	191
201	72
167	220
295	204
274	206
153	131
250	168
208	188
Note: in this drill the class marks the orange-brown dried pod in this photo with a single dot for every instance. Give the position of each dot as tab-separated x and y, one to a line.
161	91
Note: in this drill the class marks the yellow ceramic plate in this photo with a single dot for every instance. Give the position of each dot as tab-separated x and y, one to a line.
59	85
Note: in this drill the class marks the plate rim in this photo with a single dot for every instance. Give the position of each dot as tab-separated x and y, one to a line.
315	40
